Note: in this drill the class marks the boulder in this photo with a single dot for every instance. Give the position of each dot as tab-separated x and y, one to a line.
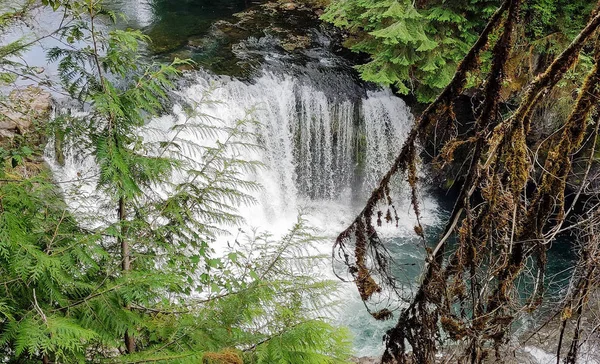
293	42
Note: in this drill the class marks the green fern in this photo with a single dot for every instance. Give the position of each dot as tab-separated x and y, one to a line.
66	295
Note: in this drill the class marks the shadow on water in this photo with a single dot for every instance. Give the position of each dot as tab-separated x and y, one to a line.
561	254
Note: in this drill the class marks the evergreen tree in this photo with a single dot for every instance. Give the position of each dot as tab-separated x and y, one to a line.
417	46
413	46
144	284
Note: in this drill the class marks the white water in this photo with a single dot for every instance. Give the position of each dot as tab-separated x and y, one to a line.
310	141
323	155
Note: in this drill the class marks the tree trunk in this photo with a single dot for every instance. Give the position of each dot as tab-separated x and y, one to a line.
125	258
125	266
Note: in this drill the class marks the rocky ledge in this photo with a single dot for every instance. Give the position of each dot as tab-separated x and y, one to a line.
22	110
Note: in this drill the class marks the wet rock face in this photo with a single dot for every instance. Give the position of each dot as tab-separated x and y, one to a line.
23	108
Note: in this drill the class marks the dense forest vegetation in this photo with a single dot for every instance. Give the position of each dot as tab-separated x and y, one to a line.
145	284
416	46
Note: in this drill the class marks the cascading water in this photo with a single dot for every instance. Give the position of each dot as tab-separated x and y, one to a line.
323	153
315	147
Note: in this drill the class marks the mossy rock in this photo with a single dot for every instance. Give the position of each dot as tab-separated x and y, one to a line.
293	42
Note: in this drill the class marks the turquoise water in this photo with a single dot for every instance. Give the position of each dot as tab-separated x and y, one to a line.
176	21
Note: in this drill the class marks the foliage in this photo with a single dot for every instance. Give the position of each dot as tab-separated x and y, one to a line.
46	264
413	46
144	284
63	297
416	46
547	17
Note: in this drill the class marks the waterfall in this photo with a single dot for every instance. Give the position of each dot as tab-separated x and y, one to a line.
323	154
317	146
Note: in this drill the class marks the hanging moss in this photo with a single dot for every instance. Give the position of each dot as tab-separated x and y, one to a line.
469	290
